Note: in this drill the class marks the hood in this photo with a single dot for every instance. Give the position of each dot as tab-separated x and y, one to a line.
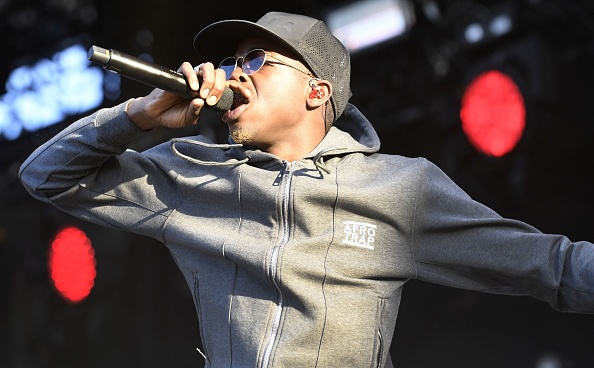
352	132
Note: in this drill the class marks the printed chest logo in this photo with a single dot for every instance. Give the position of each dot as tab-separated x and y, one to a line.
359	234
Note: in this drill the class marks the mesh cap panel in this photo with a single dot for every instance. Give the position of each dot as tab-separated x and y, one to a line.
328	59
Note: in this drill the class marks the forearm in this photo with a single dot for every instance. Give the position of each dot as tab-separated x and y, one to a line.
72	154
461	243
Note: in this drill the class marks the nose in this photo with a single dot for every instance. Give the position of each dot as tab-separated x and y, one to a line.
238	74
230	64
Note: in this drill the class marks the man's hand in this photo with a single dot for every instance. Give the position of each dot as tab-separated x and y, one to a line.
161	108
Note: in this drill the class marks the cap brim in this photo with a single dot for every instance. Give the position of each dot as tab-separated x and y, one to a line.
220	40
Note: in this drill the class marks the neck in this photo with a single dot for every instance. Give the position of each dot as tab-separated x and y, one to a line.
298	143
290	152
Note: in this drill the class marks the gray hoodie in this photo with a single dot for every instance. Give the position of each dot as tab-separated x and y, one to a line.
302	264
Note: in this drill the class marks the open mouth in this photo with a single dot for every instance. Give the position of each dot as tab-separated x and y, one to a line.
238	100
240	103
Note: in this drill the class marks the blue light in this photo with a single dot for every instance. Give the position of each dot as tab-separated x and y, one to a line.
48	92
111	85
44	72
501	25
34	116
19	79
474	33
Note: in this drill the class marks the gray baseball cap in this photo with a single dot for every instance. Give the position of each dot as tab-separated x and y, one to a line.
309	38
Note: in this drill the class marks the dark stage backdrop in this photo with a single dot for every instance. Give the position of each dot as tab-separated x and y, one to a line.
140	312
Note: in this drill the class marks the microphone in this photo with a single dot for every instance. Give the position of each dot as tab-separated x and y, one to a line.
151	74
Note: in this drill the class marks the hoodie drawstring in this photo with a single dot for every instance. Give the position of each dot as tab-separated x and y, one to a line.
206	145
319	159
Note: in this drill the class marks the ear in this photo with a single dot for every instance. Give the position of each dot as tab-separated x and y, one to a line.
320	92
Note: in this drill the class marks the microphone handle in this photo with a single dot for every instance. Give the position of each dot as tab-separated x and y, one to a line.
151	74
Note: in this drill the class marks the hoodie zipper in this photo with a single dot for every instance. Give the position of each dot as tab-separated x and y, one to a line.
272	270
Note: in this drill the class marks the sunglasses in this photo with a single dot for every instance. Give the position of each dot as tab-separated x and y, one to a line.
253	61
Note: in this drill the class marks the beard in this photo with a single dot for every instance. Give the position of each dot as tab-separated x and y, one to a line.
242	135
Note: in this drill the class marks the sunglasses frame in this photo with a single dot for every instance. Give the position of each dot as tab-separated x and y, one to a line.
255	70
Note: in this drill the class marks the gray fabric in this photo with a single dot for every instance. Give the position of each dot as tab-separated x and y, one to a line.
302	268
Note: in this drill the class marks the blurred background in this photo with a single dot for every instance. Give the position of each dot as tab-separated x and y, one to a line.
497	93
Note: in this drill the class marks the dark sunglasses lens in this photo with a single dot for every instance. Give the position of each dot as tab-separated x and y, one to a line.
253	61
228	65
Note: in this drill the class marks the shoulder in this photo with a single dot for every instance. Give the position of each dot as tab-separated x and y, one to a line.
391	163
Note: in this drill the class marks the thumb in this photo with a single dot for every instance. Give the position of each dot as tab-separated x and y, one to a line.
193	112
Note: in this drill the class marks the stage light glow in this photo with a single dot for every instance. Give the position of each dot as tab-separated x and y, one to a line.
501	25
493	113
49	91
474	33
72	264
362	24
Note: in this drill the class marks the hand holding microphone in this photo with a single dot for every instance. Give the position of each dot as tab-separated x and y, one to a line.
151	74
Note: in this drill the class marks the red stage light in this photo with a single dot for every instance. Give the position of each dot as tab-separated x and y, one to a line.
493	113
72	264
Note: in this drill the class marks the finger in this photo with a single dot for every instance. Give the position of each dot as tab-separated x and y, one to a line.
218	87
188	71
207	73
193	112
198	71
197	104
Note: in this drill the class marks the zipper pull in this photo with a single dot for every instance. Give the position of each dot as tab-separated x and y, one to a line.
203	355
287	169
278	179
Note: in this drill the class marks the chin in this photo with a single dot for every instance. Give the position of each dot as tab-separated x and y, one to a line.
242	135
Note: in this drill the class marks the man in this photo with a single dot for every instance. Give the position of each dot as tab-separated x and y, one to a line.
297	237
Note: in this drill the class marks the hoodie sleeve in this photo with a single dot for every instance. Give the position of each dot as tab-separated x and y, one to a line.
461	243
86	170
64	160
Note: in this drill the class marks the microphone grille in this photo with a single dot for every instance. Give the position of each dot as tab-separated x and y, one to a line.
226	100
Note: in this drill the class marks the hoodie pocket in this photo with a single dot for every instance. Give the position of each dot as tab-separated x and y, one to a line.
378	349
201	320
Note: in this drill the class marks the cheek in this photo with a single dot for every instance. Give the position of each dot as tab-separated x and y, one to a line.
284	96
